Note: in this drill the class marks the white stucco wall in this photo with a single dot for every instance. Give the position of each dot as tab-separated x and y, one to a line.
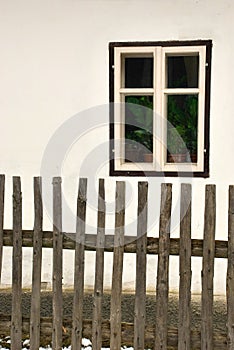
54	64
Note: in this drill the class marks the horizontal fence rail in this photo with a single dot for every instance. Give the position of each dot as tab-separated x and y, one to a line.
221	247
60	329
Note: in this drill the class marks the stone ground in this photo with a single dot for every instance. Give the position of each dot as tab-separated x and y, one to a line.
127	307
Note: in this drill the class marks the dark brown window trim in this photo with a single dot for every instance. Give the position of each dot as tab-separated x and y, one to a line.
200	42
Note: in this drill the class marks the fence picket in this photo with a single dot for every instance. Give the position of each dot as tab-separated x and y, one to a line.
230	271
98	287
57	265
140	335
163	268
140	294
2	191
115	314
208	269
16	320
184	328
79	266
37	260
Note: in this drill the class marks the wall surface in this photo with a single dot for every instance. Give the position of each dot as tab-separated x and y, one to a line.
54	66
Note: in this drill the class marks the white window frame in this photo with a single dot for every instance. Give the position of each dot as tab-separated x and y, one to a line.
159	93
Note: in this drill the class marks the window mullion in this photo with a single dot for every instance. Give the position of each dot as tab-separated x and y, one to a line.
184	91
201	107
158	107
163	115
117	108
135	91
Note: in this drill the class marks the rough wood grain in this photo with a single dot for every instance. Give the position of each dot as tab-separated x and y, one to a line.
37	260
79	266
98	287
2	192
230	272
184	326
208	269
163	268
140	314
115	314
57	265
221	247
16	321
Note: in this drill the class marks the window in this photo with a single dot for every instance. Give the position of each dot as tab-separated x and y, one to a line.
159	122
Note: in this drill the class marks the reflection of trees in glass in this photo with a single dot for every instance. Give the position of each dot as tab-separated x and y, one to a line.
139	120
182	116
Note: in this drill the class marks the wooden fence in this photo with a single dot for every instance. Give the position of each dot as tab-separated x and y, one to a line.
113	331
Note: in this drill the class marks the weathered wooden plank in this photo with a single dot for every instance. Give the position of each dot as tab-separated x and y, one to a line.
115	314
79	266
230	272
2	191
99	271
140	314
37	260
57	265
163	268
184	326
208	269
16	320
221	247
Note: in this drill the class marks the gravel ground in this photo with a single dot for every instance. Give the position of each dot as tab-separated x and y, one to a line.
127	307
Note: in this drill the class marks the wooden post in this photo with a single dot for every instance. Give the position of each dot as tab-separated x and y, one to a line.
99	271
36	273
184	327
115	314
16	319
79	266
163	268
57	265
2	191
140	314
208	269
230	271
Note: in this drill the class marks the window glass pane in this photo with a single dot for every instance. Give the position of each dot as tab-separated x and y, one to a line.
182	71
139	128
138	72
182	116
